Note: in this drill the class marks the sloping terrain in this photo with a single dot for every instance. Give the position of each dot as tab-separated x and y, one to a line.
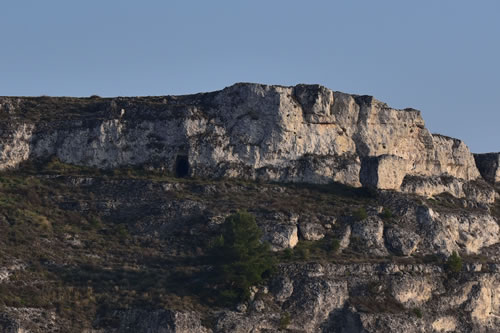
115	214
125	250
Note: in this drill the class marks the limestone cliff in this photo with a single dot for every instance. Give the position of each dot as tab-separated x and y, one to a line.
110	208
306	133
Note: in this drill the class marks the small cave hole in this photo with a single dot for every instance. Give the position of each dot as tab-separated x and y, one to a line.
181	166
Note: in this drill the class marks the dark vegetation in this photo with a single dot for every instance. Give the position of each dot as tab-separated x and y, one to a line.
240	259
46	109
324	249
360	214
454	263
417	312
284	321
84	260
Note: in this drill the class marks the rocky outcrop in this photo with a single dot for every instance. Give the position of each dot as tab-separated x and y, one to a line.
374	298
130	249
281	236
452	157
477	191
369	234
400	241
489	166
311	231
448	232
6	272
313	300
412	291
415	228
306	133
385	172
15	145
21	320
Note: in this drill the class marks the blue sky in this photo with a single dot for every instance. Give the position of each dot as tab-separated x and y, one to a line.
441	57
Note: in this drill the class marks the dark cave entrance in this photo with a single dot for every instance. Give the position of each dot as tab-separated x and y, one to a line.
181	166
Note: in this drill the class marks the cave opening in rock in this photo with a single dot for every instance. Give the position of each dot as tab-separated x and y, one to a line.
181	166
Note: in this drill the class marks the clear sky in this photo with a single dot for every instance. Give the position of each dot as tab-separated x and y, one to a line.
441	57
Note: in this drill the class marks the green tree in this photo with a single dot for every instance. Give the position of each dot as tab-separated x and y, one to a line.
241	259
361	214
386	214
454	263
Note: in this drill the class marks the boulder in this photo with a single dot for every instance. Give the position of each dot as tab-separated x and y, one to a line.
401	241
311	231
312	302
369	234
412	291
281	236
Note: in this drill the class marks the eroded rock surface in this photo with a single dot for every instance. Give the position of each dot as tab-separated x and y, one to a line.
306	133
369	234
311	231
489	166
402	242
448	232
129	248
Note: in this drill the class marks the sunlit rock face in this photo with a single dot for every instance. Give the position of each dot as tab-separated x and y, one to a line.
306	133
448	232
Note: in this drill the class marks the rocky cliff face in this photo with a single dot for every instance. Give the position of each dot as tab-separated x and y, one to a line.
108	208
305	133
489	166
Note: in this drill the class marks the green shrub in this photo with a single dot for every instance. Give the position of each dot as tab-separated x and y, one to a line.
288	253
241	259
417	312
360	214
303	252
454	263
94	222
284	321
386	214
334	245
